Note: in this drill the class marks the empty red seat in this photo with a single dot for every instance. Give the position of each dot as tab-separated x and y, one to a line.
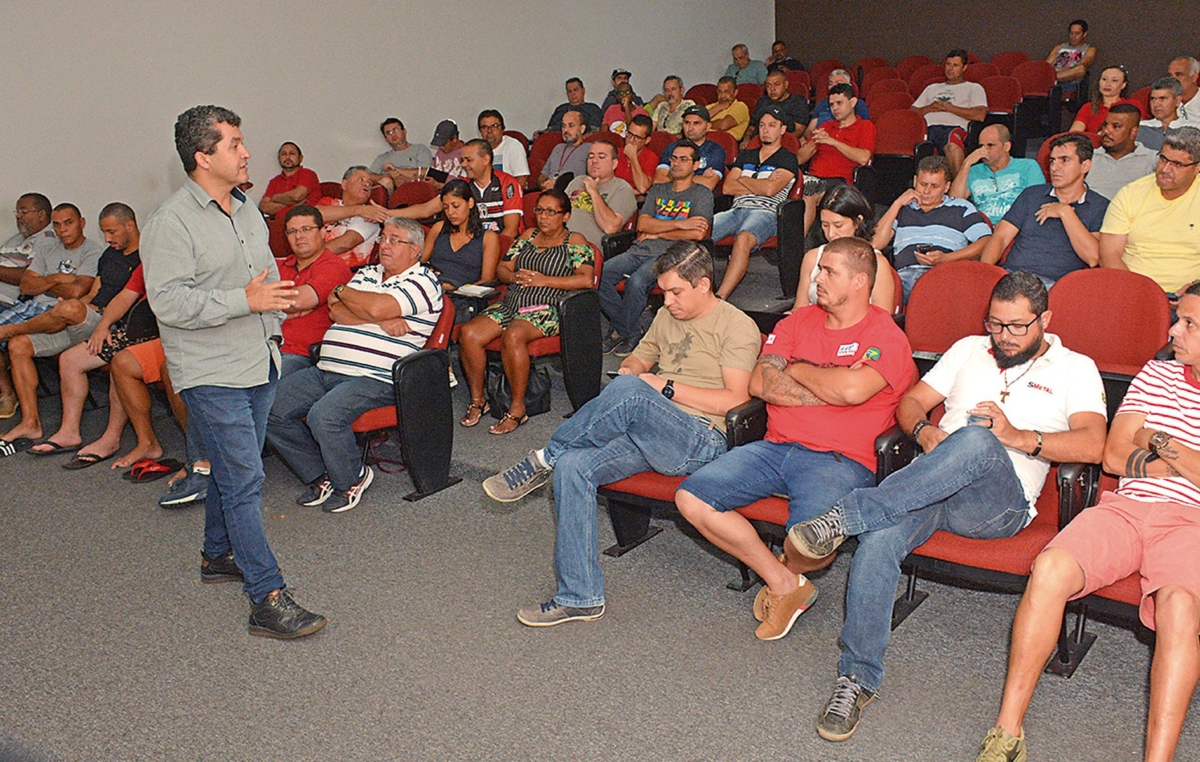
878	74
977	72
885	102
1003	93
885	86
907	65
1009	60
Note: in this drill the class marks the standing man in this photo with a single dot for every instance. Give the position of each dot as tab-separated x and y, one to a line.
569	156
668	418
949	107
295	184
1121	159
403	161
214	287
994	179
744	69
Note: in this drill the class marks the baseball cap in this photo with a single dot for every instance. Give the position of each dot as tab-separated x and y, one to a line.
618	72
776	112
446	129
699	111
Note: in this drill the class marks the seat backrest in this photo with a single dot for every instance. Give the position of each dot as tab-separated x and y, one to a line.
520	138
898	132
885	86
949	302
1002	93
819	72
659	140
907	65
799	82
440	338
749	93
727	143
1141	97
411	193
882	103
544	145
528	202
1037	77
705	93
1043	154
379	195
878	74
1116	317
1009	60
977	72
611	137
924	77
331	189
864	65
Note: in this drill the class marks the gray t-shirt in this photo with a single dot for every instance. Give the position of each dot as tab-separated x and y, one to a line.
664	203
413	157
617	193
19	251
83	258
1109	175
567	158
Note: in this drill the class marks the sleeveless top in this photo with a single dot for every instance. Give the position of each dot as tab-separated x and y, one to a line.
557	262
457	267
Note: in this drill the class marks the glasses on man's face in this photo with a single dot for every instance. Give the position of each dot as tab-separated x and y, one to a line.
631	135
391	240
995	327
392	131
489	127
544	210
682	160
1177	164
301	231
23	212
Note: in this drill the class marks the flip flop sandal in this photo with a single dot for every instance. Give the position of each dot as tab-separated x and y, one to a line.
85	460
150	470
55	448
483	409
507	417
20	444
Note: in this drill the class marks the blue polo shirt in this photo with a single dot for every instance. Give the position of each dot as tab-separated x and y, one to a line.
822	113
1046	249
711	155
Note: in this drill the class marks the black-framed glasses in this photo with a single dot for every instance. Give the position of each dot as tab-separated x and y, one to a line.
301	231
544	210
1016	329
1177	164
631	135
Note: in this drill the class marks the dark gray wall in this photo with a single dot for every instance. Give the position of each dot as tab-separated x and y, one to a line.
1125	32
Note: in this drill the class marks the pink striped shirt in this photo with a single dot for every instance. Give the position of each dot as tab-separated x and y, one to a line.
1169	397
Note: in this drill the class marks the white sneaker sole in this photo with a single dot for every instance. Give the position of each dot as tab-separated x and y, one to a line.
356	492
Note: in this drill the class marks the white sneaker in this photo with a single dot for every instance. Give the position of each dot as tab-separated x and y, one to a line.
342	502
453	380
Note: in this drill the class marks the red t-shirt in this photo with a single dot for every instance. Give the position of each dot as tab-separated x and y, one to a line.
829	161
850	430
303	176
326	272
136	282
1093	120
646	158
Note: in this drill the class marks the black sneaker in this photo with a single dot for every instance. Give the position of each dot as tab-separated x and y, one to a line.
315	494
219	569
610	343
817	538
625	348
839	718
278	616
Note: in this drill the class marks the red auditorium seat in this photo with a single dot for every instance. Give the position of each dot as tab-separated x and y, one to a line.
977	72
906	66
704	93
878	74
1008	61
882	103
1043	154
885	86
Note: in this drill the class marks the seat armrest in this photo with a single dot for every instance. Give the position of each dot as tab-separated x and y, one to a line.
746	423
894	449
1078	488
615	243
314	351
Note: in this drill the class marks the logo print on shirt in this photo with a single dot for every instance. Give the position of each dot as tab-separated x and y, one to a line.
872	354
846	350
671	209
679	349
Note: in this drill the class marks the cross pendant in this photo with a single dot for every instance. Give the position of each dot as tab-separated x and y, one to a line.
1004	396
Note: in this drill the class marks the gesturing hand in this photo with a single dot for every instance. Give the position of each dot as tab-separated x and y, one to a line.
264	297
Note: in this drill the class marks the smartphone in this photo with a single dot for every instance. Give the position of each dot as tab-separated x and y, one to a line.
612	373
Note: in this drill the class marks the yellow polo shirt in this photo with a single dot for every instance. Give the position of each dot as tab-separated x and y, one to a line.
741	115
1164	236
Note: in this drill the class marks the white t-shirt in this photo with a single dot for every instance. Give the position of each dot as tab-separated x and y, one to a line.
963	95
365	228
510	157
1042	395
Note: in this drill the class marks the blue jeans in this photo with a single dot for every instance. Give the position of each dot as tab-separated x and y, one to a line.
761	223
290	363
967	486
324	443
628	429
812	480
636	266
232	424
909	275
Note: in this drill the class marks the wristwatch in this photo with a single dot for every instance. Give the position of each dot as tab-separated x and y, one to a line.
1157	440
337	290
668	391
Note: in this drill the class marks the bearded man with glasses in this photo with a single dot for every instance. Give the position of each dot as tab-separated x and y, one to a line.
1015	400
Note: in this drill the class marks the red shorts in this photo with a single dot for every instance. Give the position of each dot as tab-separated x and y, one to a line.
1120	536
942	134
149	355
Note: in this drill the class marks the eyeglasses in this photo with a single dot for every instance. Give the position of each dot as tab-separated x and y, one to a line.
23	212
631	135
391	240
1177	164
393	131
682	160
1016	329
301	231
490	127
544	210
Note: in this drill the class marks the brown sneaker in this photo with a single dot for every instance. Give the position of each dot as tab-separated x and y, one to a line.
8	406
780	612
999	746
760	600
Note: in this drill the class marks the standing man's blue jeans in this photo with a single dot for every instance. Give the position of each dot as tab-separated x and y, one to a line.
967	486
232	423
636	266
628	429
309	425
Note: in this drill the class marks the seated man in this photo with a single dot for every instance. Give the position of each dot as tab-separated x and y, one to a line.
670	421
781	58
681	210
831	375
71	322
1150	227
822	113
1166	98
601	202
576	101
949	107
507	153
295	184
994	179
1185	70
403	161
618	116
744	68
759	183
620	78
1149	526
352	221
1071	59
316	272
65	271
497	193
569	156
448	156
1054	229
835	150
728	113
980	476
387	312
668	108
637	163
794	106
929	226
1121	159
711	167
34	235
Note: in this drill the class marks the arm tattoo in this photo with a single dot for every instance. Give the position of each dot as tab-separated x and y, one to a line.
773	361
1135	466
781	389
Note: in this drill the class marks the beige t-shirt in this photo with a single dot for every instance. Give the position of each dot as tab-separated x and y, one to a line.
693	352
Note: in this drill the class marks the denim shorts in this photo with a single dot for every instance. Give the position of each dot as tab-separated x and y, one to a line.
761	223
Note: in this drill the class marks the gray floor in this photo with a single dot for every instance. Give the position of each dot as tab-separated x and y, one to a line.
111	649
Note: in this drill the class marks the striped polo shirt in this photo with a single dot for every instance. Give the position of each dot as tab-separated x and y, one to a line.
949	226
